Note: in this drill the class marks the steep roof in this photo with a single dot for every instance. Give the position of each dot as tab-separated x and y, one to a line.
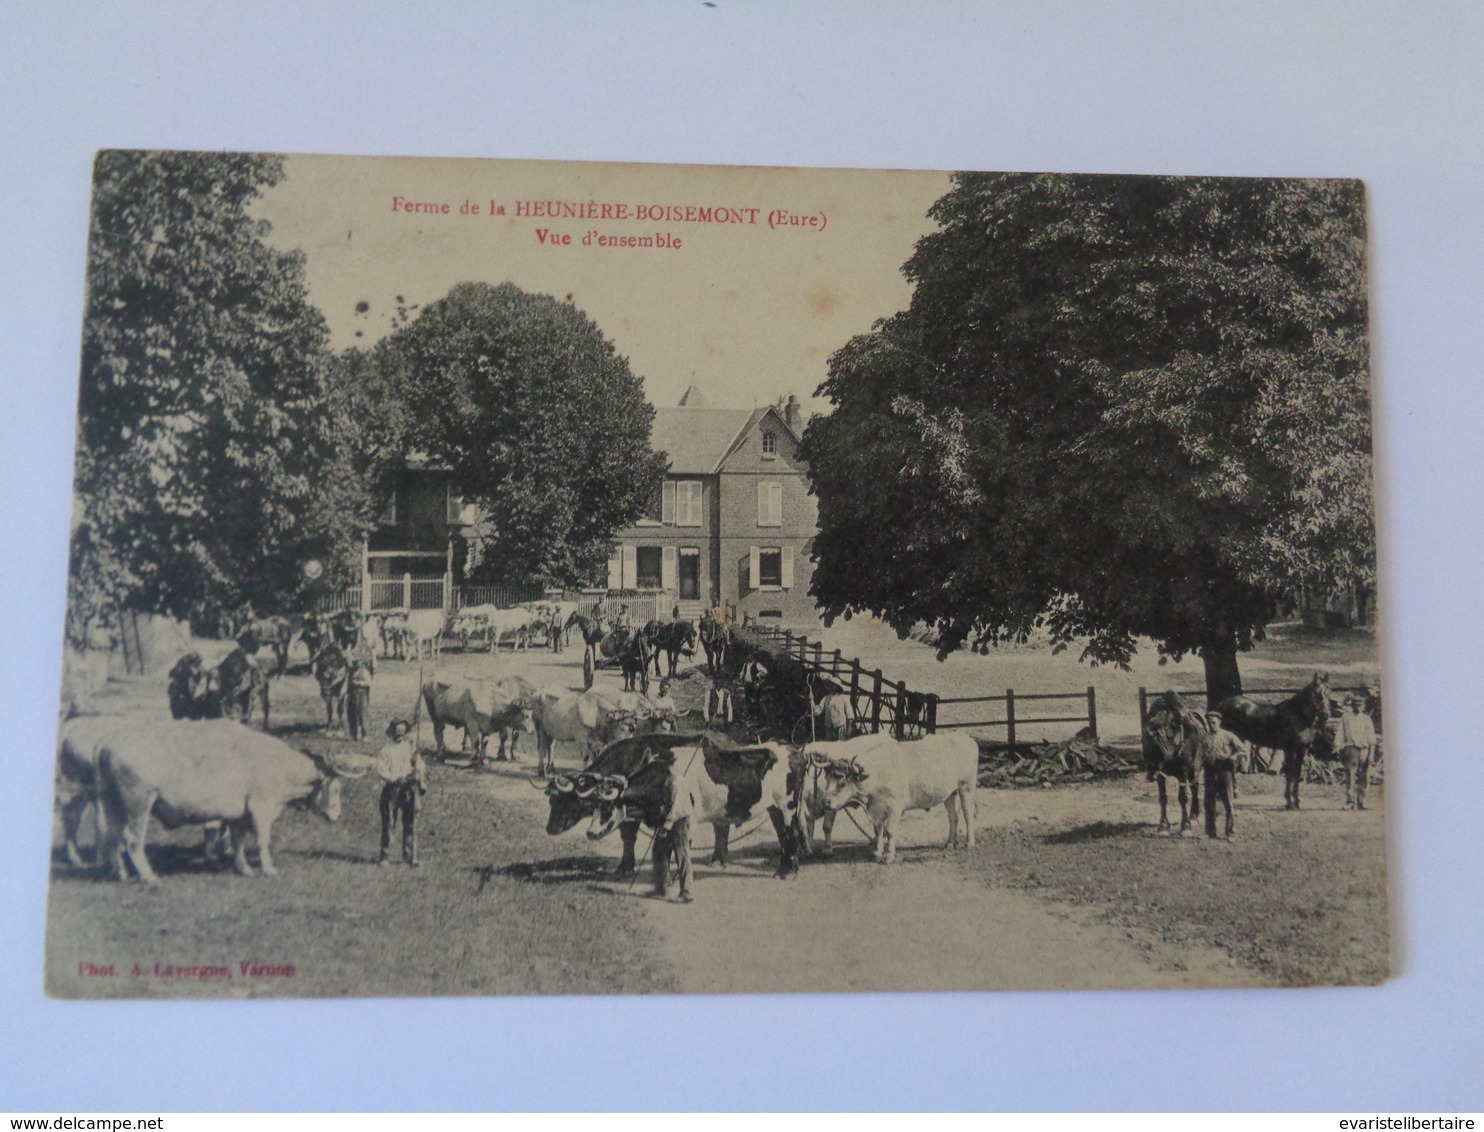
697	439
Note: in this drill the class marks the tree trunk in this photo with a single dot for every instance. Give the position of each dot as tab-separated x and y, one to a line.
1222	677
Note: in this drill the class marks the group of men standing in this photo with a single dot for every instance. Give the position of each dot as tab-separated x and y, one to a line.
1352	736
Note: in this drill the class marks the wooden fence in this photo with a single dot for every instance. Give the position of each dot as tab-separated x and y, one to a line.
907	712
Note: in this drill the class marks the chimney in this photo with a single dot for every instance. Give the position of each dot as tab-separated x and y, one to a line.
791	412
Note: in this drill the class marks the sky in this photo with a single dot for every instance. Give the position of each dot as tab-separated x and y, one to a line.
748	310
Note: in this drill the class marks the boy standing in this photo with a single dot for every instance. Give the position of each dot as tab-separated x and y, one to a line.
400	767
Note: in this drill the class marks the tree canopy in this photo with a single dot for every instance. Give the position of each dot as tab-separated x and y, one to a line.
207	438
1116	407
541	422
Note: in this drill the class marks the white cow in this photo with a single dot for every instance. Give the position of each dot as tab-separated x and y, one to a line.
187	773
588	720
516	623
80	741
424	627
888	777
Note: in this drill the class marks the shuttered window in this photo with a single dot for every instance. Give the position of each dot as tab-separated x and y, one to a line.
687	508
630	568
667	502
667	570
788	568
769	568
769	504
615	571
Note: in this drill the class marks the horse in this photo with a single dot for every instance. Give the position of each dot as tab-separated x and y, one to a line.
633	652
332	674
1292	727
1175	742
716	639
671	638
591	626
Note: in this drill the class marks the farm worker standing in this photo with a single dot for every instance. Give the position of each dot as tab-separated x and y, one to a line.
358	703
1225	753
673	835
665	705
1356	740
718	703
399	765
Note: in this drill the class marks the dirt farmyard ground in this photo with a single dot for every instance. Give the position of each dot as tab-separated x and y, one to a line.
1068	887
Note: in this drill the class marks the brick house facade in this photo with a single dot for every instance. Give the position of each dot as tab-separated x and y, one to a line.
735	521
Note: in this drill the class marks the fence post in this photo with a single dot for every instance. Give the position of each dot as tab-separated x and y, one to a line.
1010	716
1143	710
1092	711
407	591
835	664
898	729
932	713
365	576
818	648
855	682
876	704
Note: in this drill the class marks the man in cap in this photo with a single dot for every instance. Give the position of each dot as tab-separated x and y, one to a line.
400	767
1355	738
1220	771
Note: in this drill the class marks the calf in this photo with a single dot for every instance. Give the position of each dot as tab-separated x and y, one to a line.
190	688
241	683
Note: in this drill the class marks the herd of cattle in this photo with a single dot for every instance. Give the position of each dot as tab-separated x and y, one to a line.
204	767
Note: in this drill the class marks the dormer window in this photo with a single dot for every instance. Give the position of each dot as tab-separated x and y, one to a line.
770	446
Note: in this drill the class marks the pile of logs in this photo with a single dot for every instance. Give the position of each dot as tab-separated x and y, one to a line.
1075	760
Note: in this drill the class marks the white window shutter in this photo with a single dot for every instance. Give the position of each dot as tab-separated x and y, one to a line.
754	567
762	505
667	569
615	571
630	568
788	567
667	502
776	491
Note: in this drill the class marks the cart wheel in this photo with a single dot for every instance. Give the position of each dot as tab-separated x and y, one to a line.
587	672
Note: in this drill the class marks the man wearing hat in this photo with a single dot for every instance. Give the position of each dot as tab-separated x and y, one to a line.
1220	771
1355	738
400	767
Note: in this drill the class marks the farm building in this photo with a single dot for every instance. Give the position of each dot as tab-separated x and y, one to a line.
408	558
734	521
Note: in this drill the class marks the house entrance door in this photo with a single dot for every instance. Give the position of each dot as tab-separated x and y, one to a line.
690	573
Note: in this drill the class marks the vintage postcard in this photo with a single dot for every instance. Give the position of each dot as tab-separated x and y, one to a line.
492	577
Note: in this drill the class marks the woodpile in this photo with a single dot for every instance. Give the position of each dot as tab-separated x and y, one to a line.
1046	763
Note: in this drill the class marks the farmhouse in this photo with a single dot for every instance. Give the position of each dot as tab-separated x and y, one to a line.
734	521
408	559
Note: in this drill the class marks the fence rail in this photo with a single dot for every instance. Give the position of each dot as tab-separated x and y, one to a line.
904	710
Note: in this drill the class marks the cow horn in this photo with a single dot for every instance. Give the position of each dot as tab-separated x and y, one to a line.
563	783
818	759
536	784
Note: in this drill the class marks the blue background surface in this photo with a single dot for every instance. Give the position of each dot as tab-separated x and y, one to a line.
1387	92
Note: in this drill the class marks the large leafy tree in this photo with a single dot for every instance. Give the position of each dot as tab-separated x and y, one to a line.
542	423
210	452
1115	408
